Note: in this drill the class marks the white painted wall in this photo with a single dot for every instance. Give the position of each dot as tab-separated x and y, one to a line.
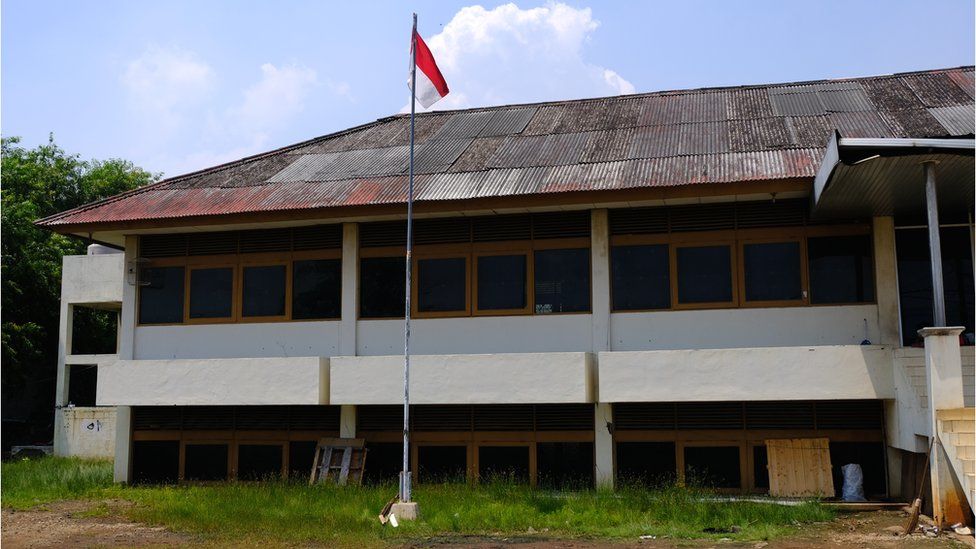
736	328
477	335
218	382
92	278
244	340
520	378
87	432
770	373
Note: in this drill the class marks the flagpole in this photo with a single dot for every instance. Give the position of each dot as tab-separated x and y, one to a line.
405	474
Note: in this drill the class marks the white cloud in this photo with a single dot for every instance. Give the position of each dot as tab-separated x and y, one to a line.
163	83
510	55
273	100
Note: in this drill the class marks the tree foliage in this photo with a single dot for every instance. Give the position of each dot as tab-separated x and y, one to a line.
35	183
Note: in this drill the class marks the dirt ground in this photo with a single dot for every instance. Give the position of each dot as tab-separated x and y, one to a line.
86	524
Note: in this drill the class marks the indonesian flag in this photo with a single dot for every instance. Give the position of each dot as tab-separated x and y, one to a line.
431	86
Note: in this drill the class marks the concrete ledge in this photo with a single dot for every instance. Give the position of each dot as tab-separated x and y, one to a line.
766	373
234	381
516	378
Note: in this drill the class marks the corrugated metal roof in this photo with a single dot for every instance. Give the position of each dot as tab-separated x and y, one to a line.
650	140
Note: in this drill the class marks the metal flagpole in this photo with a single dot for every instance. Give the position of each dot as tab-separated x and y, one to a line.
405	473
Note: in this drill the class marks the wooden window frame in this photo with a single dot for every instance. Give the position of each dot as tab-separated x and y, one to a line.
804	273
244	264
415	283
562	244
525	251
235	310
676	303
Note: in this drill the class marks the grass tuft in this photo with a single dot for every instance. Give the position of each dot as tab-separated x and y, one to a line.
294	513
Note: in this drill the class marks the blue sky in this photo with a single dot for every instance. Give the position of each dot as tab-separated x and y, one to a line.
180	85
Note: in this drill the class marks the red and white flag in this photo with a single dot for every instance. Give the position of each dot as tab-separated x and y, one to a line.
431	86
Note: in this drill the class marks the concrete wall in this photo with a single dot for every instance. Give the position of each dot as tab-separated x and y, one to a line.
218	382
773	373
244	340
477	335
87	432
464	379
92	278
736	328
912	361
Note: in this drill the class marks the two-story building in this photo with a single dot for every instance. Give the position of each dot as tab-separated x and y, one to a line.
636	287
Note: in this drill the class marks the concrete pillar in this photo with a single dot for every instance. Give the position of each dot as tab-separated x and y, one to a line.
886	281
600	279
943	378
350	289
123	444
65	329
130	287
347	421
603	445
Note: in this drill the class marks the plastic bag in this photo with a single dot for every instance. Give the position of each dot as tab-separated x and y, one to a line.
853	489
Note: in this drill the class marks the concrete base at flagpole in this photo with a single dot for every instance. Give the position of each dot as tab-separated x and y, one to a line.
406	511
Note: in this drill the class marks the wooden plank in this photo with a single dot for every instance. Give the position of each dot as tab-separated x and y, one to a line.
799	467
346	459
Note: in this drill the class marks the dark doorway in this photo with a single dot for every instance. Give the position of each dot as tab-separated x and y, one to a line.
259	461
713	466
565	465
442	463
300	456
82	381
646	463
155	461
205	462
760	467
384	461
869	455
503	463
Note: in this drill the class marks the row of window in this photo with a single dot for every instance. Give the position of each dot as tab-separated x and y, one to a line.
647	273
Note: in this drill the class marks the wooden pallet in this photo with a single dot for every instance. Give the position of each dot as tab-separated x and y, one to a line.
339	460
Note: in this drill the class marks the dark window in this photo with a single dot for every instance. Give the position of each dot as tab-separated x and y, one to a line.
381	282
840	269
300	456
704	274
211	292
503	463
562	281
442	463
442	284
713	466
316	289
649	464
259	461
264	291
772	271
384	460
565	465
94	331
161	295
641	277
915	280
82	381
155	461
205	462
502	282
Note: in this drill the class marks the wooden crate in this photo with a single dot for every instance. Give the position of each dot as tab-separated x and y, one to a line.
800	467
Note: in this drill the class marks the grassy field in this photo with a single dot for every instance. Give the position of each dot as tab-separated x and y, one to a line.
282	512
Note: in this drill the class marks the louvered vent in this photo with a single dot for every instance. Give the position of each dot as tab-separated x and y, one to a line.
639	416
314	418
638	221
442	231
704	217
207	418
779	415
162	245
275	240
319	237
261	418
157	418
387	233
212	243
710	415
561	225
379	418
501	227
849	414
441	418
784	213
564	417
503	417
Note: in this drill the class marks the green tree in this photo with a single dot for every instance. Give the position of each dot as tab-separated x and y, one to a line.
35	183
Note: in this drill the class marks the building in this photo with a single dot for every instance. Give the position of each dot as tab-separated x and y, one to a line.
628	287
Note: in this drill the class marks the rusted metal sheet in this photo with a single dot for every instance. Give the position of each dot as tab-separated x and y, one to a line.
809	131
916	123
607	145
749	103
965	80
759	134
937	90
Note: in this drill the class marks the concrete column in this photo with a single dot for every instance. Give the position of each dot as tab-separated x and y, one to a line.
65	329
886	281
127	318
123	444
603	445
943	378
347	421
600	279
350	289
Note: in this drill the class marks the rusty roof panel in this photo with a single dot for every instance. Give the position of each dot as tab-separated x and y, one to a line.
659	110
464	124
623	113
578	177
562	149
965	80
809	131
937	90
956	120
749	103
759	134
608	145
507	122
656	141
546	119
476	156
860	124
704	138
916	123
703	107
795	102
892	95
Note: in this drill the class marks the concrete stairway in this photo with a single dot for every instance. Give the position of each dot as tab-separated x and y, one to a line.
957	430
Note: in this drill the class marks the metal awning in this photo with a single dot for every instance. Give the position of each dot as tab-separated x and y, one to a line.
869	177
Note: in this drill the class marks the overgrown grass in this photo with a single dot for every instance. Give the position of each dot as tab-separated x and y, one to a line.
282	512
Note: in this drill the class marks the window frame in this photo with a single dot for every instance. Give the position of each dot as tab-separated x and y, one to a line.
804	272
523	248
642	240
235	309
164	262
444	253
676	303
261	262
